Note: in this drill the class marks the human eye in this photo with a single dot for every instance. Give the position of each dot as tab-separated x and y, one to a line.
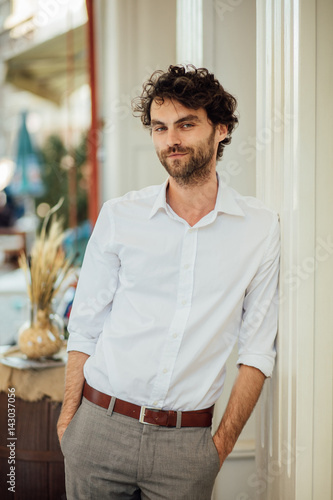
159	128
187	126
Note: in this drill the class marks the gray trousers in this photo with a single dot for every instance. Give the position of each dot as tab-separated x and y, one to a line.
111	456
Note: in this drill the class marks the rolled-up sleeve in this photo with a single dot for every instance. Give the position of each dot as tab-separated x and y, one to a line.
260	309
96	286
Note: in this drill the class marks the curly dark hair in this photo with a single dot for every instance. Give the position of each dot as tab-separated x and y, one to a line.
194	88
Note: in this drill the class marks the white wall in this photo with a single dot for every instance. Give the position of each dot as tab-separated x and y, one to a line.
323	306
234	62
136	37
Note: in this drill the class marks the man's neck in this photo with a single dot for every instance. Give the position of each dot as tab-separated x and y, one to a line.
192	203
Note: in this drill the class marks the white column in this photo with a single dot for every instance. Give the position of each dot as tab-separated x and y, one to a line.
109	63
288	160
190	32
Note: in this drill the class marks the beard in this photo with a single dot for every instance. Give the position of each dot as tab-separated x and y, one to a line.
195	168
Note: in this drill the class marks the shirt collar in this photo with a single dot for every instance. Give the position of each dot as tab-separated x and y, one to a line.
160	201
225	200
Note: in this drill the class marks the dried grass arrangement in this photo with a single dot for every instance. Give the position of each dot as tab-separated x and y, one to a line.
45	272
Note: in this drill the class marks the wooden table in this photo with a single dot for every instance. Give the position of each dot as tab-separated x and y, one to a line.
39	463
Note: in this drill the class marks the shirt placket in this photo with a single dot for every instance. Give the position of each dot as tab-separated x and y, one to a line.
178	323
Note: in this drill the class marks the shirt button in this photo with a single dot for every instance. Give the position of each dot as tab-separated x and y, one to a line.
175	335
186	266
155	403
165	370
184	302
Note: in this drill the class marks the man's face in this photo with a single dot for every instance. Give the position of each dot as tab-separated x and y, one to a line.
185	141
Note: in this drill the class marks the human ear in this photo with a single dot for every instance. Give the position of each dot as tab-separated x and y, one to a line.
222	131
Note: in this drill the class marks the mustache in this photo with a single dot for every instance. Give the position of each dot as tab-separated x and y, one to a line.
174	150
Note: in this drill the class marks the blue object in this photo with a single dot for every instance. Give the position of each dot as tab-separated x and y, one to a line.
76	240
27	177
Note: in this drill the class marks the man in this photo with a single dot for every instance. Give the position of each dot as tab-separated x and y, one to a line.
173	276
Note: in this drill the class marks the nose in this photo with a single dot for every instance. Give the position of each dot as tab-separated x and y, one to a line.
173	138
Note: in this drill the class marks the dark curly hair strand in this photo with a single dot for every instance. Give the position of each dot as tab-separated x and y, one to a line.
194	88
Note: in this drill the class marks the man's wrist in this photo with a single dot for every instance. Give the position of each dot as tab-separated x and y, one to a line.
225	438
63	422
223	448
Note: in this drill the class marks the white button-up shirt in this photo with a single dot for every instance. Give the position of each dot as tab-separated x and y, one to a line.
160	304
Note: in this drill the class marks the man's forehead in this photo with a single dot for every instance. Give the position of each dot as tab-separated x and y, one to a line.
173	108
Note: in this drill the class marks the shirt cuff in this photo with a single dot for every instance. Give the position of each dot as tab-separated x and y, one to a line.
265	365
77	343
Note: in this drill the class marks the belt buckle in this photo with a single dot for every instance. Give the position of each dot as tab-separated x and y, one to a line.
143	412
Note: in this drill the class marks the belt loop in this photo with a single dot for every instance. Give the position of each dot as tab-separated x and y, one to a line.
111	406
179	420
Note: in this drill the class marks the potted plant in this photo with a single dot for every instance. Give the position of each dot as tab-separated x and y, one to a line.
45	271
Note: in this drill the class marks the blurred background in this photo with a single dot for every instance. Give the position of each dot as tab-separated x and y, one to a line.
45	107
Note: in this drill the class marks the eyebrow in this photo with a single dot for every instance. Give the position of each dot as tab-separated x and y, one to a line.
186	118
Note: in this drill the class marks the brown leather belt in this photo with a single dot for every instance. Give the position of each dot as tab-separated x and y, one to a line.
149	415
